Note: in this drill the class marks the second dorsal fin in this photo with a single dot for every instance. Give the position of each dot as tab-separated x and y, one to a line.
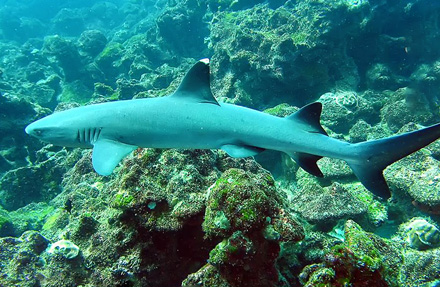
308	162
195	85
309	115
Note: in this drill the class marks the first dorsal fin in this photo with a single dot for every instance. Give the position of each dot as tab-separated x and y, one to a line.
310	115
196	85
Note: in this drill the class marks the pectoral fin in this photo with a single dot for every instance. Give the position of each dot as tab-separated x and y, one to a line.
107	154
241	150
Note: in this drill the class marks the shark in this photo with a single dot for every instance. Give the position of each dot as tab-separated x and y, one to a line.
191	118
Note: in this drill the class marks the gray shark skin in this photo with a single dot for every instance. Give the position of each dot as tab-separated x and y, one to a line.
191	118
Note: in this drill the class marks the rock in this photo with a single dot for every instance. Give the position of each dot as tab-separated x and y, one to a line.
380	77
92	42
329	204
417	176
68	22
342	109
206	276
239	201
34	183
106	60
264	48
183	19
363	258
6	226
421	268
67	55
404	106
20	259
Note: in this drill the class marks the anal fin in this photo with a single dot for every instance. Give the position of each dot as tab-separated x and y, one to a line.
107	154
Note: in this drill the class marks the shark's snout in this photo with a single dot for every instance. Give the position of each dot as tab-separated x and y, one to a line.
33	130
28	129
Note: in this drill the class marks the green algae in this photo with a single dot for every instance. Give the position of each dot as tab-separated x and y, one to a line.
122	199
6	228
110	53
55	221
270	233
377	212
75	92
281	110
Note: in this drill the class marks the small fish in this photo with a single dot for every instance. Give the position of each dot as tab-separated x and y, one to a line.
431	209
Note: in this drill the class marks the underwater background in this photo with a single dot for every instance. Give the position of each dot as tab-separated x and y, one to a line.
199	217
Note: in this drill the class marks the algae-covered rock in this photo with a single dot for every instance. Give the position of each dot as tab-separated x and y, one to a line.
150	213
239	201
15	114
178	20
342	109
245	210
407	105
380	77
417	176
175	189
68	22
30	217
420	268
264	48
363	258
108	57
20	259
246	261
329	204
6	226
67	55
92	42
33	183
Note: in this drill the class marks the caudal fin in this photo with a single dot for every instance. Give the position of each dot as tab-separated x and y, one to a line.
372	157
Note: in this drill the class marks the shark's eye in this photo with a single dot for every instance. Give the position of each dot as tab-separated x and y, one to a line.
38	132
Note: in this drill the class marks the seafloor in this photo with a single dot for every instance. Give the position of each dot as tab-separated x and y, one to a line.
199	217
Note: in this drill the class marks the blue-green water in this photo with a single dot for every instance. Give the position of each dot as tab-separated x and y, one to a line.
199	217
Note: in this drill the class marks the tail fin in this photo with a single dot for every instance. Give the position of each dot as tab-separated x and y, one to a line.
374	156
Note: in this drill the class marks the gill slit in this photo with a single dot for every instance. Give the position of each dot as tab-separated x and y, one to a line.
89	136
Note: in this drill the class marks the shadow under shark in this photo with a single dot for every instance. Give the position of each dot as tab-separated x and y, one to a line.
191	118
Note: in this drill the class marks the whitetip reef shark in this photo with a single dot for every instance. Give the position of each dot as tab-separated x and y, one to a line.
191	118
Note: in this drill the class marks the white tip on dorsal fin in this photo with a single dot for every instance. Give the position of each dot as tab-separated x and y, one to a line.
195	85
204	60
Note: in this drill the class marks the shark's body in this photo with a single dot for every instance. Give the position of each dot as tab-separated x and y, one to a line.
192	118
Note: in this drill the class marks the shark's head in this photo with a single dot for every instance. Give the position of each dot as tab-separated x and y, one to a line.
55	129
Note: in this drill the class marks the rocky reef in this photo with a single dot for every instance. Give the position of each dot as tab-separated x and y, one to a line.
200	217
